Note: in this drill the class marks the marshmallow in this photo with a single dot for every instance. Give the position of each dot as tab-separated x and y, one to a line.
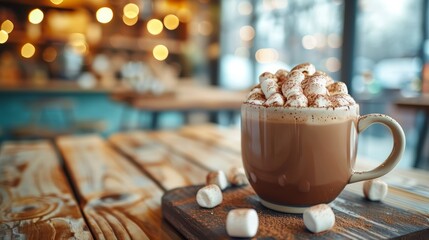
242	222
347	97
298	100
337	88
375	190
319	218
256	97
315	88
209	196
276	99
320	101
296	76
281	75
294	90
237	176
269	87
320	79
306	68
339	101
266	75
218	178
254	91
256	101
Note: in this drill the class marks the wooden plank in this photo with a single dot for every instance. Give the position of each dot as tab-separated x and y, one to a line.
226	138
356	218
167	168
118	200
203	154
36	201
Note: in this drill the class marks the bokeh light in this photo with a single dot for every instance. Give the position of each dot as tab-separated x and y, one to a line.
28	50
35	16
171	22
7	26
309	42
130	21
205	28
266	55
104	15
247	33
160	52
131	10
334	40
56	2
333	64
245	8
3	36
154	26
50	54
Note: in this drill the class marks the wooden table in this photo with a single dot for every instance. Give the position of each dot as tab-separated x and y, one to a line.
420	103
186	97
86	187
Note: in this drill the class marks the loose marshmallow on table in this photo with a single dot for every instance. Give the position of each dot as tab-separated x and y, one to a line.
237	176
209	196
375	190
319	218
218	178
242	222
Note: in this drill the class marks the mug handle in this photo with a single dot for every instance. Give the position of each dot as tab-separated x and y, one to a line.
395	155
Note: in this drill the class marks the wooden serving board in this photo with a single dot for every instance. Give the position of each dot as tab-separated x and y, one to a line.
356	218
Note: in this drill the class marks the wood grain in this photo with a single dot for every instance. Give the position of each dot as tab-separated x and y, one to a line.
206	155
168	169
36	201
228	139
117	199
356	218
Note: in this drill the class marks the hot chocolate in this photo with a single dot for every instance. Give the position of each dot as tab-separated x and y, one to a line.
299	138
306	153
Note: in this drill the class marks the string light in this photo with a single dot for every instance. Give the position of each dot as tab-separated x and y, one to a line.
104	15
35	16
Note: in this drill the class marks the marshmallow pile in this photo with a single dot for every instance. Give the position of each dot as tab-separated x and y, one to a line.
211	195
303	86
241	222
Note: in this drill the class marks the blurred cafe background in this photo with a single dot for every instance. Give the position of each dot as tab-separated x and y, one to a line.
103	66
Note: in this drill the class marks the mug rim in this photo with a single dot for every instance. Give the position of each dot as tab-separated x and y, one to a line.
307	115
307	109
